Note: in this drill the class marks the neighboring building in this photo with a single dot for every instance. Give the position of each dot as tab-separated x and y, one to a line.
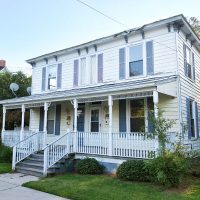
98	95
3	67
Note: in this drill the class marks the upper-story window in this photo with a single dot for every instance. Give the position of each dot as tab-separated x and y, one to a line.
52	77
189	65
88	70
136	60
93	70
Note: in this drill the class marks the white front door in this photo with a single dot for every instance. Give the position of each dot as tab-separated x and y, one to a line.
95	124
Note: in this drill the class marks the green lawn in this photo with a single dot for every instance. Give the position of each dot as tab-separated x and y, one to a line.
79	187
5	168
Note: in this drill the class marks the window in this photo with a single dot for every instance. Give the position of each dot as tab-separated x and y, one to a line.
52	77
136	60
188	60
137	115
51	120
93	70
83	71
192	118
189	63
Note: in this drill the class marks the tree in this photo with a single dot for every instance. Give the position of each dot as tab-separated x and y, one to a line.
161	127
195	23
13	117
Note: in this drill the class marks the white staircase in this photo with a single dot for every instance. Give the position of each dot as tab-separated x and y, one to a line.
30	158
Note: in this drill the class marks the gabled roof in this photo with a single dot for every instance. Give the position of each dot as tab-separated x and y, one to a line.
178	21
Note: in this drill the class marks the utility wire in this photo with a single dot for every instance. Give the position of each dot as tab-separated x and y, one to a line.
116	21
105	15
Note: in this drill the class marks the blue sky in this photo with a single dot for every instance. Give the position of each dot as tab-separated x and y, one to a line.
29	28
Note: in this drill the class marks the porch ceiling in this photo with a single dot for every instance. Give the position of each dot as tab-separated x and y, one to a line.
124	89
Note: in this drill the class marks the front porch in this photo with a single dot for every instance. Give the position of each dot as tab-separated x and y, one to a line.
113	125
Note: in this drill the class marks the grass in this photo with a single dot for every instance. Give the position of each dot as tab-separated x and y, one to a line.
5	168
88	187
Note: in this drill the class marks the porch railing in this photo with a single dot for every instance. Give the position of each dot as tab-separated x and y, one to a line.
12	137
135	145
26	147
92	143
56	150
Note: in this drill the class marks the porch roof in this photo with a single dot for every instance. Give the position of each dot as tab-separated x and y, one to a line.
98	92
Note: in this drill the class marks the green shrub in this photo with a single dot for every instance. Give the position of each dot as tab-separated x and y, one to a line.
194	166
5	154
89	166
167	170
133	170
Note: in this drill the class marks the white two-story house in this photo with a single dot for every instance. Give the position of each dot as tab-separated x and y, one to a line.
94	99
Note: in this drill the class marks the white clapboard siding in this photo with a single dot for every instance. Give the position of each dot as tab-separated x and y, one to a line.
188	88
164	58
34	119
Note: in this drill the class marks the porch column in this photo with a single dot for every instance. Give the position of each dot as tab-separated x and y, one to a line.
45	124
75	124
155	101
22	123
110	104
3	123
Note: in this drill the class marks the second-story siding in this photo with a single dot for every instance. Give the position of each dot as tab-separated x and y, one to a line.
164	59
188	88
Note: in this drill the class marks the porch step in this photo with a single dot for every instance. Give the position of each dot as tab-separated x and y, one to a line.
33	165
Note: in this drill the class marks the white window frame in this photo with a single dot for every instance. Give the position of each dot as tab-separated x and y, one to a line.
54	131
128	115
127	69
95	107
89	69
194	117
190	63
47	76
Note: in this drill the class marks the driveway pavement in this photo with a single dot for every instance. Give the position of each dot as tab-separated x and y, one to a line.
11	189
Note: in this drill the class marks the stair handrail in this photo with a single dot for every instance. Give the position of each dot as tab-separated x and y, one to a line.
26	147
56	150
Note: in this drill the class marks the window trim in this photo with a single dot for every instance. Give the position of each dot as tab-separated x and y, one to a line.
54	131
194	114
47	76
143	58
191	62
87	57
47	73
128	111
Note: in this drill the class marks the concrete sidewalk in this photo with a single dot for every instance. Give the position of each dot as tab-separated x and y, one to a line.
11	189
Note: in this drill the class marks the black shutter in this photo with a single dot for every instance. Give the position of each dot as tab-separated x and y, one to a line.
41	124
150	106
184	59
76	69
58	118
43	79
122	63
59	76
188	118
149	56
193	66
197	119
122	115
100	68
